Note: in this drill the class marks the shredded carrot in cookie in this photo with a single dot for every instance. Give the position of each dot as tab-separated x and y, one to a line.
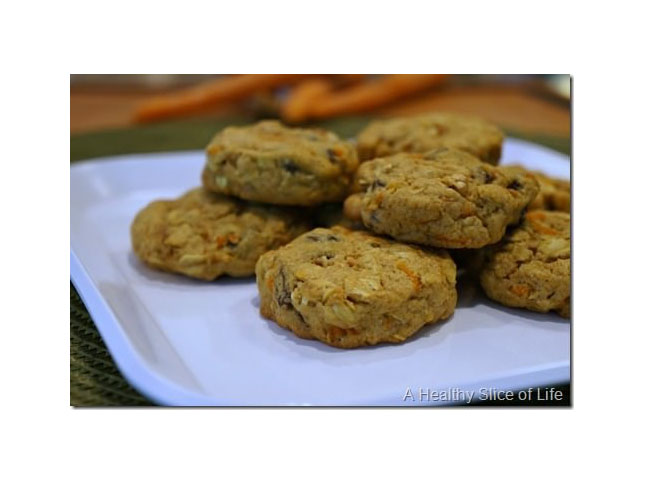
520	290
535	219
453	241
467	210
337	332
413	276
337	151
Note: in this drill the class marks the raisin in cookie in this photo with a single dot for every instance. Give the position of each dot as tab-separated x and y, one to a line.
446	198
350	288
206	235
554	195
271	163
531	266
423	133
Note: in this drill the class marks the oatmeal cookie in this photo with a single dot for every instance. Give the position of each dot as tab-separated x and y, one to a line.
554	195
205	235
350	288
531	266
446	198
271	163
427	132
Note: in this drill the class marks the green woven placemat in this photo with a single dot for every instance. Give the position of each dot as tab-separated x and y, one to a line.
94	378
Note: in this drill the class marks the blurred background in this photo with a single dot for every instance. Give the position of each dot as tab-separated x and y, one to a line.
537	105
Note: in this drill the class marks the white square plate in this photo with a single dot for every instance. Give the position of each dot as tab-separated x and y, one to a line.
184	342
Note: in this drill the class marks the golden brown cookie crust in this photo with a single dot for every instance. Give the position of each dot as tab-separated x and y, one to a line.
531	266
271	163
446	198
427	132
350	288
554	195
205	235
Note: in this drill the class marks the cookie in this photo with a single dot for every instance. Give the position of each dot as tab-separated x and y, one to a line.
271	163
446	198
531	266
350	288
554	194
205	235
424	133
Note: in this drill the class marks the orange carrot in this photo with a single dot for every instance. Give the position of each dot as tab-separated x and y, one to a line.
536	218
296	107
371	95
209	95
411	274
520	290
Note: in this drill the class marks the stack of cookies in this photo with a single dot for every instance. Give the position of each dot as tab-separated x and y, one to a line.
379	270
254	181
